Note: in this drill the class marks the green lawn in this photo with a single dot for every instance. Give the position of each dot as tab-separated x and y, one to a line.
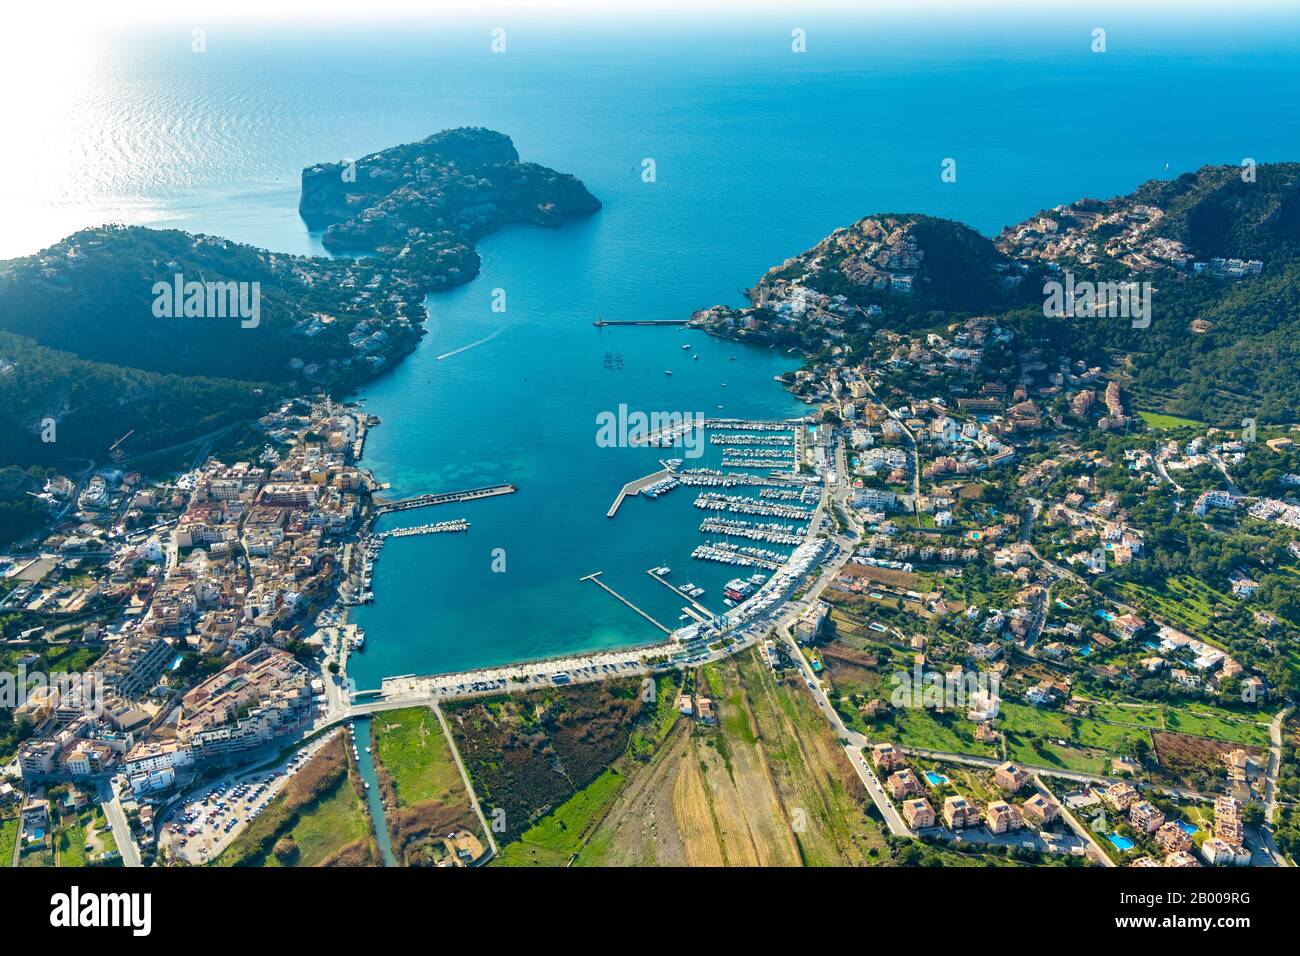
70	840
1157	420
923	728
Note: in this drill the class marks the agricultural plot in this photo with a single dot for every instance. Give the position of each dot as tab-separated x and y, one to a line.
768	785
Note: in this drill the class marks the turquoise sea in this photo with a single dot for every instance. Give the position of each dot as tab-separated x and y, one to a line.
758	153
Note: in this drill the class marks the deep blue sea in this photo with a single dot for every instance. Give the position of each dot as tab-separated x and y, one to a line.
758	153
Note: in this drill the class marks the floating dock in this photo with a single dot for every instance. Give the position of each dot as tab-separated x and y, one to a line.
595	578
427	501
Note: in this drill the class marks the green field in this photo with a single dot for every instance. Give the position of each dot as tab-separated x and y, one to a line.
920	727
1141	715
1206	722
413	750
561	834
1188	603
332	823
555	838
8	837
1159	421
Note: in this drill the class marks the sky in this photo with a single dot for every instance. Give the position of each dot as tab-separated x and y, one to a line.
70	14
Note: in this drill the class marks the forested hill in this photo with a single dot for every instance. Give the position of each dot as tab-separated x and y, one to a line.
176	331
1219	248
90	400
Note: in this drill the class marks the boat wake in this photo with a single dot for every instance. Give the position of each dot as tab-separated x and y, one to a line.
472	345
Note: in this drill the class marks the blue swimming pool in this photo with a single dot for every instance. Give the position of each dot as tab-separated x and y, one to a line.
1188	828
936	779
1121	842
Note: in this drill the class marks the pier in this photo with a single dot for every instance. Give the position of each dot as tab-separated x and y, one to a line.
696	606
442	527
634	487
595	579
601	323
427	501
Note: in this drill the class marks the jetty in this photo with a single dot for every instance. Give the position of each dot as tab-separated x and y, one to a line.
695	609
595	578
447	497
635	487
601	323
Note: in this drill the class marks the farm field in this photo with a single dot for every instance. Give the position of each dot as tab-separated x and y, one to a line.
1184	601
768	785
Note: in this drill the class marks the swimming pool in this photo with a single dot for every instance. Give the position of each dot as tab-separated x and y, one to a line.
936	779
1188	828
1121	842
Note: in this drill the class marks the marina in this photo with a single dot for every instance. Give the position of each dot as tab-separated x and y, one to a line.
771	533
736	504
723	554
695	608
442	527
749	462
734	438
